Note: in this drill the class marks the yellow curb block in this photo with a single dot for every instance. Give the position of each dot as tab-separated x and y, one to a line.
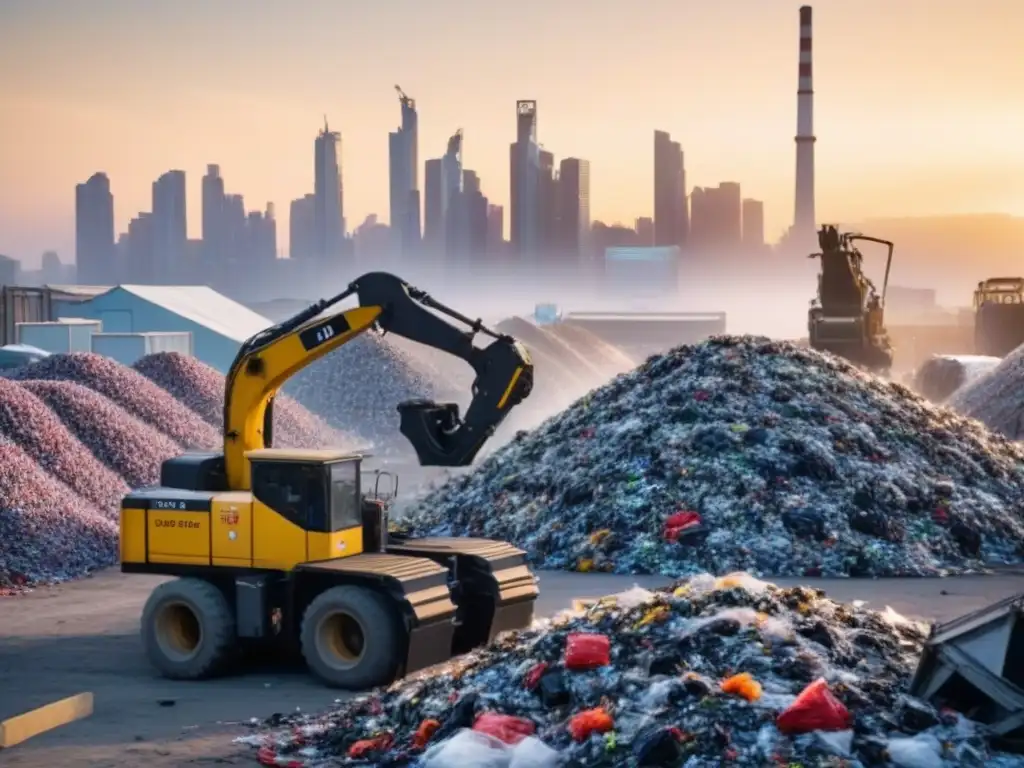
22	727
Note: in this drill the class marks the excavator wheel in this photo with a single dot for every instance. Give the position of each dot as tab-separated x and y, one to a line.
351	638
188	629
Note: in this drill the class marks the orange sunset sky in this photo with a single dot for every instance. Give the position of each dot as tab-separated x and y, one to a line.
919	104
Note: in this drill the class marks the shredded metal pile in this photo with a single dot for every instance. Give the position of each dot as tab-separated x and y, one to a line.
709	673
997	397
742	453
201	388
48	532
130	390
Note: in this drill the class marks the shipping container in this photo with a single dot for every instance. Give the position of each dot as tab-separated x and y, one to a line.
59	337
127	348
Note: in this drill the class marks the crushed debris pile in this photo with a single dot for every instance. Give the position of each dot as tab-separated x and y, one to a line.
26	421
125	444
358	387
128	389
942	375
742	453
709	673
201	388
995	398
47	532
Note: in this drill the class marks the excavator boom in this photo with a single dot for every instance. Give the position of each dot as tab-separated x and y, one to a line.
440	437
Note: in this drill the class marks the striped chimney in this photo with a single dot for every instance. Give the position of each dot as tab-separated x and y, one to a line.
804	223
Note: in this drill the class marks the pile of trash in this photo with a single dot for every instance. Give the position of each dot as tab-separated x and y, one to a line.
129	447
128	389
27	422
201	388
708	673
358	387
746	454
48	533
995	398
942	375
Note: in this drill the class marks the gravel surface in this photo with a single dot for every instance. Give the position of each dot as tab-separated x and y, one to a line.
742	453
706	673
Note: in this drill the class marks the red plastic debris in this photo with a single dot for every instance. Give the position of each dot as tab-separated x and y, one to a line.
423	734
590	721
532	678
506	728
676	525
815	709
587	651
365	747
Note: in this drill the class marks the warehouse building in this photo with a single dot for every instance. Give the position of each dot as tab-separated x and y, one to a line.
218	325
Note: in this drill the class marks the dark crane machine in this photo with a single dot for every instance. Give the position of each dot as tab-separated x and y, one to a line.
847	317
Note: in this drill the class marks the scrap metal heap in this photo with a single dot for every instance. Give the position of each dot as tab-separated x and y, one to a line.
846	317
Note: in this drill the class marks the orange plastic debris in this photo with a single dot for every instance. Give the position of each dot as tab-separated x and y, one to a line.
424	732
590	721
742	685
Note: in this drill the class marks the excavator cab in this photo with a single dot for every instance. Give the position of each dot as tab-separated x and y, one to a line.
998	316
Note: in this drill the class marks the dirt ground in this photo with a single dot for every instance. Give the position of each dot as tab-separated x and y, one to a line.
84	637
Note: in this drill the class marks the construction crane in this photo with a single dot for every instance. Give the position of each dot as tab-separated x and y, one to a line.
407	101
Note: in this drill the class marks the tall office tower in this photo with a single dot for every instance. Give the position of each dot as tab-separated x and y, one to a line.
301	228
404	183
495	227
547	204
139	259
260	249
170	229
716	216
328	214
214	250
804	223
753	223
451	193
524	161
573	207
731	213
671	217
467	215
95	252
434	205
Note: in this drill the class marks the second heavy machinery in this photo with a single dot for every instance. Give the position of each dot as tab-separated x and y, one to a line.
998	316
847	317
281	546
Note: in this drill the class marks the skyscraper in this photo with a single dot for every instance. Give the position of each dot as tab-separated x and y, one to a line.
753	223
433	205
94	232
301	228
170	228
573	206
524	161
451	194
328	191
671	218
547	204
404	183
213	218
716	220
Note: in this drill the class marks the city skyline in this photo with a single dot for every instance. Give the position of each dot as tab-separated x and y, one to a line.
879	151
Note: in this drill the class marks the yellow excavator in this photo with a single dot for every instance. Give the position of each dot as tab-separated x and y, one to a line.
281	546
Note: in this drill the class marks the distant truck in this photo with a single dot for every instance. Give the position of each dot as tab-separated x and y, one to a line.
998	316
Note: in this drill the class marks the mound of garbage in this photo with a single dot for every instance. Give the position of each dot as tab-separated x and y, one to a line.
746	454
48	532
201	388
358	387
707	673
942	375
995	398
128	389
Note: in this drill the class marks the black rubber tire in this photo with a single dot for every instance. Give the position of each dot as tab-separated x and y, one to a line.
213	616
383	642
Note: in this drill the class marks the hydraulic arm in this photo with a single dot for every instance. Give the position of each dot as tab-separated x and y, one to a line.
440	437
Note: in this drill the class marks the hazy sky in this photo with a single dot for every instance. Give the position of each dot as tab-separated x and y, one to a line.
919	104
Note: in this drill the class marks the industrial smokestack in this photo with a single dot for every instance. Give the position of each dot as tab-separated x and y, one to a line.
804	223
